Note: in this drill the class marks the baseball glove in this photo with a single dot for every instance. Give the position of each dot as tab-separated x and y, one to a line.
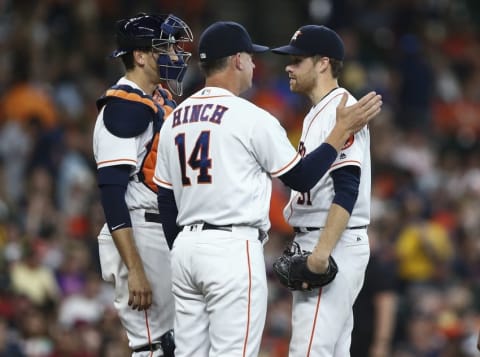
292	271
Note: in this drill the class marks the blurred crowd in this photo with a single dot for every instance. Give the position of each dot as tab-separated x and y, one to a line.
422	56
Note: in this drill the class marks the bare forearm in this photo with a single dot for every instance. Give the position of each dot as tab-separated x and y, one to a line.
127	249
336	223
139	289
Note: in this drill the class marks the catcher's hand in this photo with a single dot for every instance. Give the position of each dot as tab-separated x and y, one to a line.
292	271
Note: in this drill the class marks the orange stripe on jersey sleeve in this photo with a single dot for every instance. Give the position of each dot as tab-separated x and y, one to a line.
348	162
159	181
100	163
286	166
119	93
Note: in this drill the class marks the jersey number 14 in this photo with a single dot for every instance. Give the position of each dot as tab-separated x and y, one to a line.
198	159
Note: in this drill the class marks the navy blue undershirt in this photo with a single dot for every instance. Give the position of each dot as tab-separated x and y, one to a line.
168	214
346	181
113	182
303	176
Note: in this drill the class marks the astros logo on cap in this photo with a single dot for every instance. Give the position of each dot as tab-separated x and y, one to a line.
295	35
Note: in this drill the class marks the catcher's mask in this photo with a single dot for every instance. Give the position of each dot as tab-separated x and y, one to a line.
161	34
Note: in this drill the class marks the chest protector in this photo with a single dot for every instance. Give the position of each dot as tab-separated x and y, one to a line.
128	113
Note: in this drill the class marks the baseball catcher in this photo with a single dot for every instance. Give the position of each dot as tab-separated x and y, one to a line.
292	271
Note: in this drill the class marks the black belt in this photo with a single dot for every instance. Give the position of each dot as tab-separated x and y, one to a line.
152	217
311	229
207	226
155	217
147	348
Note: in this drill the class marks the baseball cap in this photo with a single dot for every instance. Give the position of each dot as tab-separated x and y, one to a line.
225	38
312	40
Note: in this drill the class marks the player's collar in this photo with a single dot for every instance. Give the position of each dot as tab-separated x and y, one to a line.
128	82
213	92
325	96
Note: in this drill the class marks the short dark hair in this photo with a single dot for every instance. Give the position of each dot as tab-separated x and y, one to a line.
210	67
128	60
335	65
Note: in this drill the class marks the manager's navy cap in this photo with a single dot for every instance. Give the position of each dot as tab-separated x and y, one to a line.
225	38
310	40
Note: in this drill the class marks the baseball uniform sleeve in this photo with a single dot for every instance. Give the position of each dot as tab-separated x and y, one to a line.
111	150
271	146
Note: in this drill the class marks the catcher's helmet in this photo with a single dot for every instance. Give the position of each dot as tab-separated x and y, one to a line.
159	33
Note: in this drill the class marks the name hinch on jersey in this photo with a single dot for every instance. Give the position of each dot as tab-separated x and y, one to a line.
199	112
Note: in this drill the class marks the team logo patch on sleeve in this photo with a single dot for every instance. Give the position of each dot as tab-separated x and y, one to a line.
349	142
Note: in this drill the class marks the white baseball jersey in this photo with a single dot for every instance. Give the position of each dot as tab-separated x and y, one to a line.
217	152
322	319
142	327
310	209
110	150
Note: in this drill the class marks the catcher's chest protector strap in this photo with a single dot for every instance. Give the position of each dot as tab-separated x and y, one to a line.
127	93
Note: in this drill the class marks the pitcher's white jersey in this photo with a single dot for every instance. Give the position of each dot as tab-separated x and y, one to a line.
214	140
310	209
110	150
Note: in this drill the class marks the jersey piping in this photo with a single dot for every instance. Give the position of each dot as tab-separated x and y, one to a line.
317	307
286	167
101	163
345	163
245	344
318	113
211	96
161	182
